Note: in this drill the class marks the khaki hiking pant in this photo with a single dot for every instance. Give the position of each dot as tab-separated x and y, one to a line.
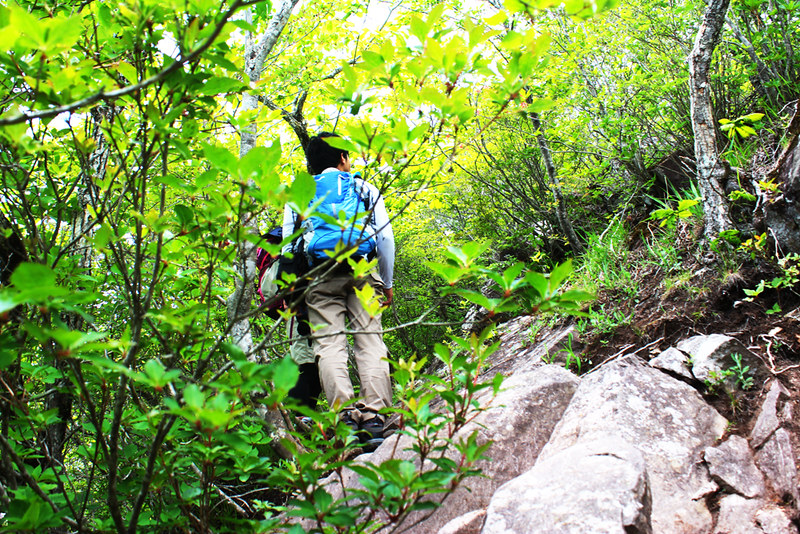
330	304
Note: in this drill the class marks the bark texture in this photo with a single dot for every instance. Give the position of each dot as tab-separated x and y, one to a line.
778	212
711	170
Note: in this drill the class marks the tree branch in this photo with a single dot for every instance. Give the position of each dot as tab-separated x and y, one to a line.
111	95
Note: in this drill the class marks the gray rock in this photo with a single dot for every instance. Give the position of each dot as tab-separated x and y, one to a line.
731	464
519	421
711	355
595	486
673	361
545	349
768	420
785	413
469	523
776	461
773	520
737	515
666	419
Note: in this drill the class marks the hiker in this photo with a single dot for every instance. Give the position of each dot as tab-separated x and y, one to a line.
332	300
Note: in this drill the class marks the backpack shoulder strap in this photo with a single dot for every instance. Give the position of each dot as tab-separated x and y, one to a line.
296	219
361	190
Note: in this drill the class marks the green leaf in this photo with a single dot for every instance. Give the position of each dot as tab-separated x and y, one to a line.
221	158
343	144
190	492
185	214
154	370
193	397
576	295
7	301
7	357
560	274
302	191
33	276
418	28
219	84
234	351
745	131
752	117
253	162
285	374
103	235
537	282
539	105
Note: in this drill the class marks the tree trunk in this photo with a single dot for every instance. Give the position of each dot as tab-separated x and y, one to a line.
777	212
711	170
62	397
240	301
561	207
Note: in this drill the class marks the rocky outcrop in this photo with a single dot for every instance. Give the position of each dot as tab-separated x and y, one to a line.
710	360
627	448
770	418
666	419
731	465
776	460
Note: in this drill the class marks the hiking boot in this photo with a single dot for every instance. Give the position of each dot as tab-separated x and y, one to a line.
347	419
371	433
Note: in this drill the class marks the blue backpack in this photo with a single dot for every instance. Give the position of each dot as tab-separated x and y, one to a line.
341	217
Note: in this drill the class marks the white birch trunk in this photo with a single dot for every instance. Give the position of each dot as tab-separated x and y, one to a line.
710	168
240	301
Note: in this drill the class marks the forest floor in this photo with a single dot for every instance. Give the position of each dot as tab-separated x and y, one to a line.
702	295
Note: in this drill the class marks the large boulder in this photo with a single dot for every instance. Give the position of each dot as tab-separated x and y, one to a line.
469	523
665	419
523	347
674	362
738	515
596	486
769	417
518	422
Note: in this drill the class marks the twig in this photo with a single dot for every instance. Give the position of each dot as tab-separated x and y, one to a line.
221	493
31	482
772	368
